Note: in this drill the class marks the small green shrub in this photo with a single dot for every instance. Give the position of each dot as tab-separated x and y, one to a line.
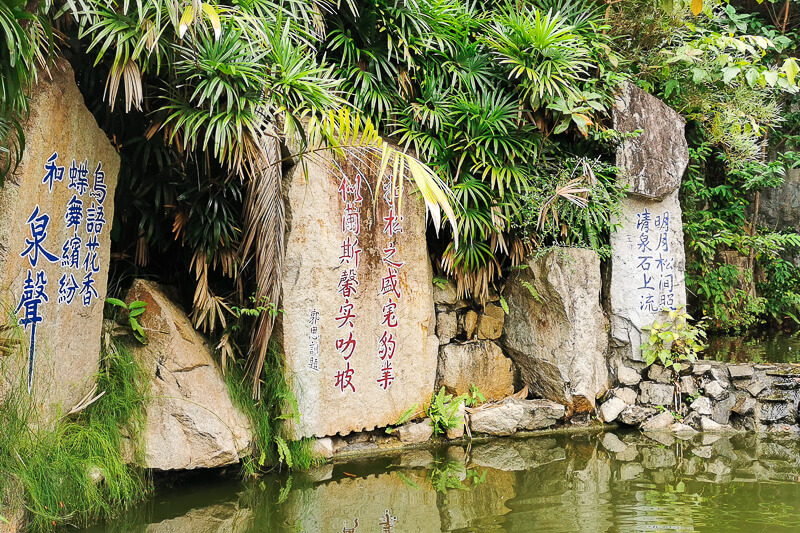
271	447
133	310
674	340
444	409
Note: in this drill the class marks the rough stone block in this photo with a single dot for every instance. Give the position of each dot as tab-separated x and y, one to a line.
688	385
559	339
628	376
190	420
370	388
480	363
625	394
660	421
445	294
715	390
446	326
635	414
702	406
490	323
740	371
656	393
540	414
659	374
499	420
415	432
611	409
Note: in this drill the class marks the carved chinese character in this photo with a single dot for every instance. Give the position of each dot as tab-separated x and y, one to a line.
346	315
99	190
78	179
33	295
74	214
387	375
389	283
54	172
386	346
344	380
348	282
347	346
350	251
38	226
390	251
67	286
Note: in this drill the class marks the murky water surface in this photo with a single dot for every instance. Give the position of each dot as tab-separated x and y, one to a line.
579	482
769	348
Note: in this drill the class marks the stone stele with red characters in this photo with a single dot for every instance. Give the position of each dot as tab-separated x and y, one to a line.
358	327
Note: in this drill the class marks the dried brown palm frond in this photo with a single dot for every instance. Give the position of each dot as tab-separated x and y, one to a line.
227	350
518	249
207	307
572	191
226	260
470	283
132	76
179	223
142	255
265	228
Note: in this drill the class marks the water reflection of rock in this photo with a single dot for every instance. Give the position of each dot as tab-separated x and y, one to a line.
581	482
226	517
553	484
399	500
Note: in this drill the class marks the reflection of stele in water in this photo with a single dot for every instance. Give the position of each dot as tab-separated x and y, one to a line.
346	529
387	522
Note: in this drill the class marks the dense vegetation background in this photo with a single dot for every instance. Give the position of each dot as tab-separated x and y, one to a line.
508	102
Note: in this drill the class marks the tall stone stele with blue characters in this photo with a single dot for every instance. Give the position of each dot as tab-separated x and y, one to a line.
647	259
56	212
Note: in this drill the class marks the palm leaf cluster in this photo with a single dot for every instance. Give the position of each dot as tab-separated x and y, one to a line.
25	42
485	94
203	98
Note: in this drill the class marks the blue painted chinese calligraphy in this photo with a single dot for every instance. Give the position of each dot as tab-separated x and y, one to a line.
656	289
54	172
73	258
38	226
78	177
33	296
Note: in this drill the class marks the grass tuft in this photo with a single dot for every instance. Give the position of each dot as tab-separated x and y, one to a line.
74	473
269	416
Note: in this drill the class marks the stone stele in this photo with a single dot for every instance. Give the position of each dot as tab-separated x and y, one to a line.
33	218
647	263
362	372
557	333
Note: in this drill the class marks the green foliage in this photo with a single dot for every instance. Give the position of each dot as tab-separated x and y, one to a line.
27	41
444	412
578	203
53	466
718	205
271	447
406	415
134	310
444	409
483	93
674	340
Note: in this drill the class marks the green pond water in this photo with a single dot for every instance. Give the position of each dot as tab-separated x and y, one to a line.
570	482
768	348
